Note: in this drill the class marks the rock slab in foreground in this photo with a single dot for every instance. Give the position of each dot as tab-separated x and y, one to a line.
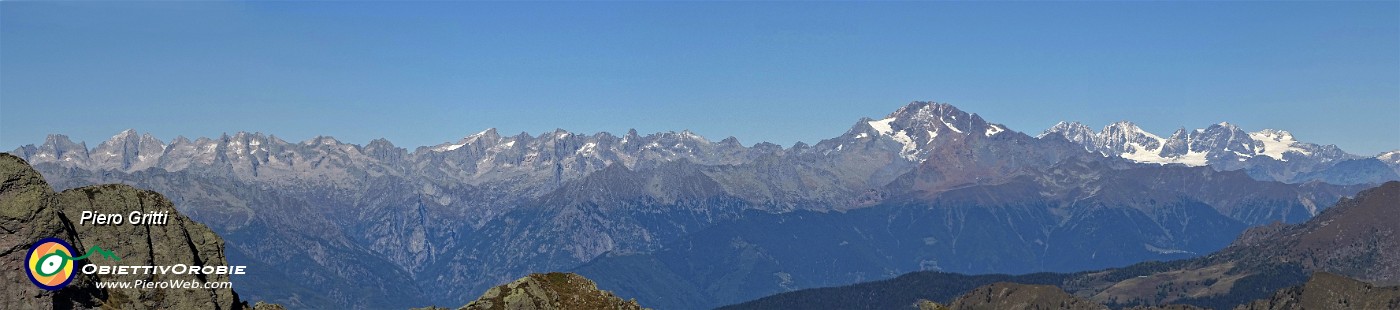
30	211
553	290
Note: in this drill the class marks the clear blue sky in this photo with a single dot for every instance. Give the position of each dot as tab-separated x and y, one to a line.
422	73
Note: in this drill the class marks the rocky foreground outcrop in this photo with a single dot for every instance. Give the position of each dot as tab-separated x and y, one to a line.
555	290
30	211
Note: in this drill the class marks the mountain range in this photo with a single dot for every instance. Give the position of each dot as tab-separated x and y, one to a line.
664	217
1267	154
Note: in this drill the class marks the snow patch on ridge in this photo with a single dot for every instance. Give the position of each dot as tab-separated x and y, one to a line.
994	129
910	150
448	147
588	149
950	125
1144	154
882	126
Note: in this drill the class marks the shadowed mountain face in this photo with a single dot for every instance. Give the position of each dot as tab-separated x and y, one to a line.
1354	239
1329	291
916	190
1031	223
30	211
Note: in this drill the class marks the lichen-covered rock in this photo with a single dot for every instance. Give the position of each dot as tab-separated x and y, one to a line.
27	214
30	211
266	306
550	291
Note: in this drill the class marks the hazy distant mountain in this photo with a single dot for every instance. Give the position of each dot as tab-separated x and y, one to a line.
490	208
1266	154
1391	158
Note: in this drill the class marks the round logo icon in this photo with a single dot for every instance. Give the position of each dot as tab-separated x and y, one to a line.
49	265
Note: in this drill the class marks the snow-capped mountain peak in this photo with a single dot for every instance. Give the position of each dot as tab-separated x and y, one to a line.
321	140
1127	140
1391	157
918	127
489	135
1223	145
125	134
128	150
1128	133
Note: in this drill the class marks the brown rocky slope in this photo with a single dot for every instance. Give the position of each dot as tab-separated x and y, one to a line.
1327	291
